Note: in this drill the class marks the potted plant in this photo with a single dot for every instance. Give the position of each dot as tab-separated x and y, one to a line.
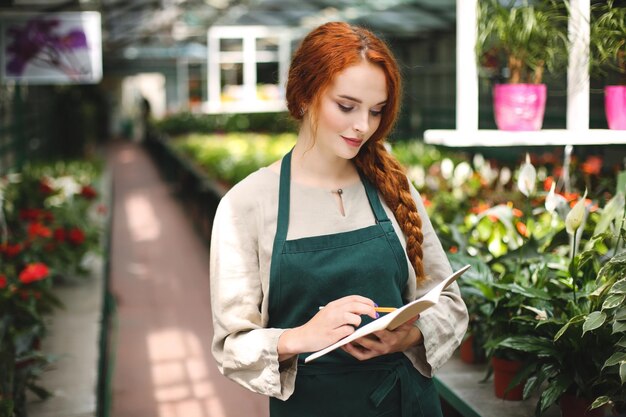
608	58
577	347
517	41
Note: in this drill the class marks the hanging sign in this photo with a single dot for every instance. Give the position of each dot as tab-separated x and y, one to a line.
51	48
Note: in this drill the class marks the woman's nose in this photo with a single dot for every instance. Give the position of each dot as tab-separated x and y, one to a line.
361	124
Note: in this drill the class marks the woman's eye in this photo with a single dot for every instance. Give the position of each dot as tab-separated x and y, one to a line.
344	109
376	113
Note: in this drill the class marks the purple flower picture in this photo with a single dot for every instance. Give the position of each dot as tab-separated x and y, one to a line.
53	48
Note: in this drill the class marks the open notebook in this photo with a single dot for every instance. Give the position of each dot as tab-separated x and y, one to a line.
397	317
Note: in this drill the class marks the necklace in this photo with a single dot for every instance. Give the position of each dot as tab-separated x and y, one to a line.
338	191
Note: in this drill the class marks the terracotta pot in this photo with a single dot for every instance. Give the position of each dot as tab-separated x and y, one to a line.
572	406
615	106
503	373
468	353
466	350
519	107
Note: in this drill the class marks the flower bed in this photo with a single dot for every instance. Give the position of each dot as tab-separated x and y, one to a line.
50	220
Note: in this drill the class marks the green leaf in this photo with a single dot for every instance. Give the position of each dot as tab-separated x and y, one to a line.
600	401
593	321
40	392
553	392
622	342
530	292
573	320
619	287
615	358
613	300
622	372
619	327
530	344
620	314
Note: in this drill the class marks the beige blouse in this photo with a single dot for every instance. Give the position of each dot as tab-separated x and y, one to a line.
241	249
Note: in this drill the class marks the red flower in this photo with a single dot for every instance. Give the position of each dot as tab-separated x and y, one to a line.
3	281
33	272
592	166
59	234
36	215
11	251
453	249
29	214
547	184
479	208
88	192
522	229
45	188
38	229
76	236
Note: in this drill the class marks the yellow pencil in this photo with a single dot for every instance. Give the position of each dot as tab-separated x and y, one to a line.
378	309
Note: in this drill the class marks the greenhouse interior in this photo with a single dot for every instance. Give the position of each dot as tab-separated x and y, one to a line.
150	151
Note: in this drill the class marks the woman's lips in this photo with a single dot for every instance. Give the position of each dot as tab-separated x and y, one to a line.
353	141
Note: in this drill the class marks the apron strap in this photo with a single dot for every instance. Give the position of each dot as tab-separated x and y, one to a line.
284	193
374	199
282	224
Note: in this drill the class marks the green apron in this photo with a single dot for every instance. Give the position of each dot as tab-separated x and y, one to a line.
311	272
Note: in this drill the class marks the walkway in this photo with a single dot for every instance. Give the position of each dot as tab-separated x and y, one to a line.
160	278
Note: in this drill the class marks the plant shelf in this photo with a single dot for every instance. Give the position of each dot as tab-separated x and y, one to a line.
548	137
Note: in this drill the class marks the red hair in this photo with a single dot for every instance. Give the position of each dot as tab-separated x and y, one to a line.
324	53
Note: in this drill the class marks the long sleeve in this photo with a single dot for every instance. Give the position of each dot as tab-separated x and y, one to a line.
444	324
243	348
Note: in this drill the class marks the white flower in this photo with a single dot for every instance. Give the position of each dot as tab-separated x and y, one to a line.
575	216
417	174
462	173
478	161
551	200
505	176
540	314
527	178
447	168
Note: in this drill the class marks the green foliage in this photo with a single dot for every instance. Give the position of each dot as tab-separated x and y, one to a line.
182	123
232	157
525	37
608	39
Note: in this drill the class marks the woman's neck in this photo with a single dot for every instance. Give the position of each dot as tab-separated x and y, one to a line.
312	166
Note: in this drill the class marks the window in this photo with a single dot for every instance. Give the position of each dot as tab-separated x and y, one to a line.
247	68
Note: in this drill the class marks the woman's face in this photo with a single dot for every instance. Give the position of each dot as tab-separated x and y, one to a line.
350	110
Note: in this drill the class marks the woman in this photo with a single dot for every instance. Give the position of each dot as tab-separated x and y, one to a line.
334	224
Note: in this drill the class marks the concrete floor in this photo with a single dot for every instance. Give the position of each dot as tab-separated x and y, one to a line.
160	278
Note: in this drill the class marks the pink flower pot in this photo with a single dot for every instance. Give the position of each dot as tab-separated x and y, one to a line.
615	106
519	106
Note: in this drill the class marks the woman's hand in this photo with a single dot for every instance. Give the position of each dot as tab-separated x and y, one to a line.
335	321
386	341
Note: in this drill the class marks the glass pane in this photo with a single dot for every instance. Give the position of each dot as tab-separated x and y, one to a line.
267	73
231	45
231	74
231	81
267	44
